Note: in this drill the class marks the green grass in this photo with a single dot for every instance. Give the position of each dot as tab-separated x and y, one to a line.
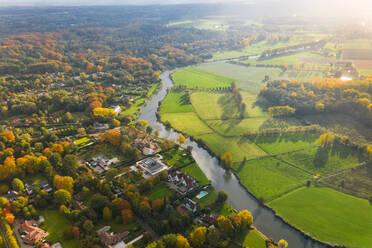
176	102
248	78
208	199
35	179
194	171
193	77
328	215
188	123
268	177
211	105
318	160
224	210
160	191
250	238
239	147
55	223
237	127
260	47
297	58
304	76
174	157
286	142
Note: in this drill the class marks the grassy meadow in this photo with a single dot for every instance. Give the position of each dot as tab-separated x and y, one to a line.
328	215
277	166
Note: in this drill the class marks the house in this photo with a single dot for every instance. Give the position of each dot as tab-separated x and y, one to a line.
190	205
147	145
44	185
183	182
110	239
151	166
31	233
101	163
100	126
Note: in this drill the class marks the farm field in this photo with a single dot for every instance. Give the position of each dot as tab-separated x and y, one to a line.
328	215
279	143
186	122
258	48
235	127
176	102
291	59
318	160
248	78
193	77
239	147
251	239
269	177
356	182
358	44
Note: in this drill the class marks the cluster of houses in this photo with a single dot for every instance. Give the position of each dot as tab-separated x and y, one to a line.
29	188
111	240
100	163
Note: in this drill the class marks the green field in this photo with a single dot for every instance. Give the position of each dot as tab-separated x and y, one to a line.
193	77
177	157
250	238
258	48
358	44
328	215
176	102
286	142
189	123
160	191
248	78
223	105
55	223
318	160
269	178
237	127
239	147
194	171
298	58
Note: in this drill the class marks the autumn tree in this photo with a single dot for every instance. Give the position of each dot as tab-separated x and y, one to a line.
182	242
127	216
198	236
64	182
113	136
62	197
18	185
326	139
246	218
282	243
181	139
107	214
226	159
225	225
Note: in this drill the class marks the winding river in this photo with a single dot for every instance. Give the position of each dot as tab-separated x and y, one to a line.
264	219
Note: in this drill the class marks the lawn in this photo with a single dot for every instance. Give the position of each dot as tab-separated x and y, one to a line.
224	210
268	177
318	160
194	171
55	223
160	191
248	78
279	143
210	105
328	215
250	238
188	123
239	147
176	102
83	141
193	77
208	199
175	157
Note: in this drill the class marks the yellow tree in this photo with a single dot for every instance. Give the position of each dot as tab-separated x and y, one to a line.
113	136
326	139
282	243
246	218
225	225
226	159
198	236
181	139
107	214
181	242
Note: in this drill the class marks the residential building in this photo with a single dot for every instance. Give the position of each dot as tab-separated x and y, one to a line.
31	233
151	166
183	182
110	239
190	205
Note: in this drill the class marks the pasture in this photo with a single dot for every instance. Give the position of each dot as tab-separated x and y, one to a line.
269	177
193	77
328	215
297	58
176	102
189	123
209	24
319	160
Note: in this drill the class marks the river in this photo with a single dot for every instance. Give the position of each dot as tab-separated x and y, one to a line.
264	219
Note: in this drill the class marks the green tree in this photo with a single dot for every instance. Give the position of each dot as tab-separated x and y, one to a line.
88	226
62	197
18	185
107	214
